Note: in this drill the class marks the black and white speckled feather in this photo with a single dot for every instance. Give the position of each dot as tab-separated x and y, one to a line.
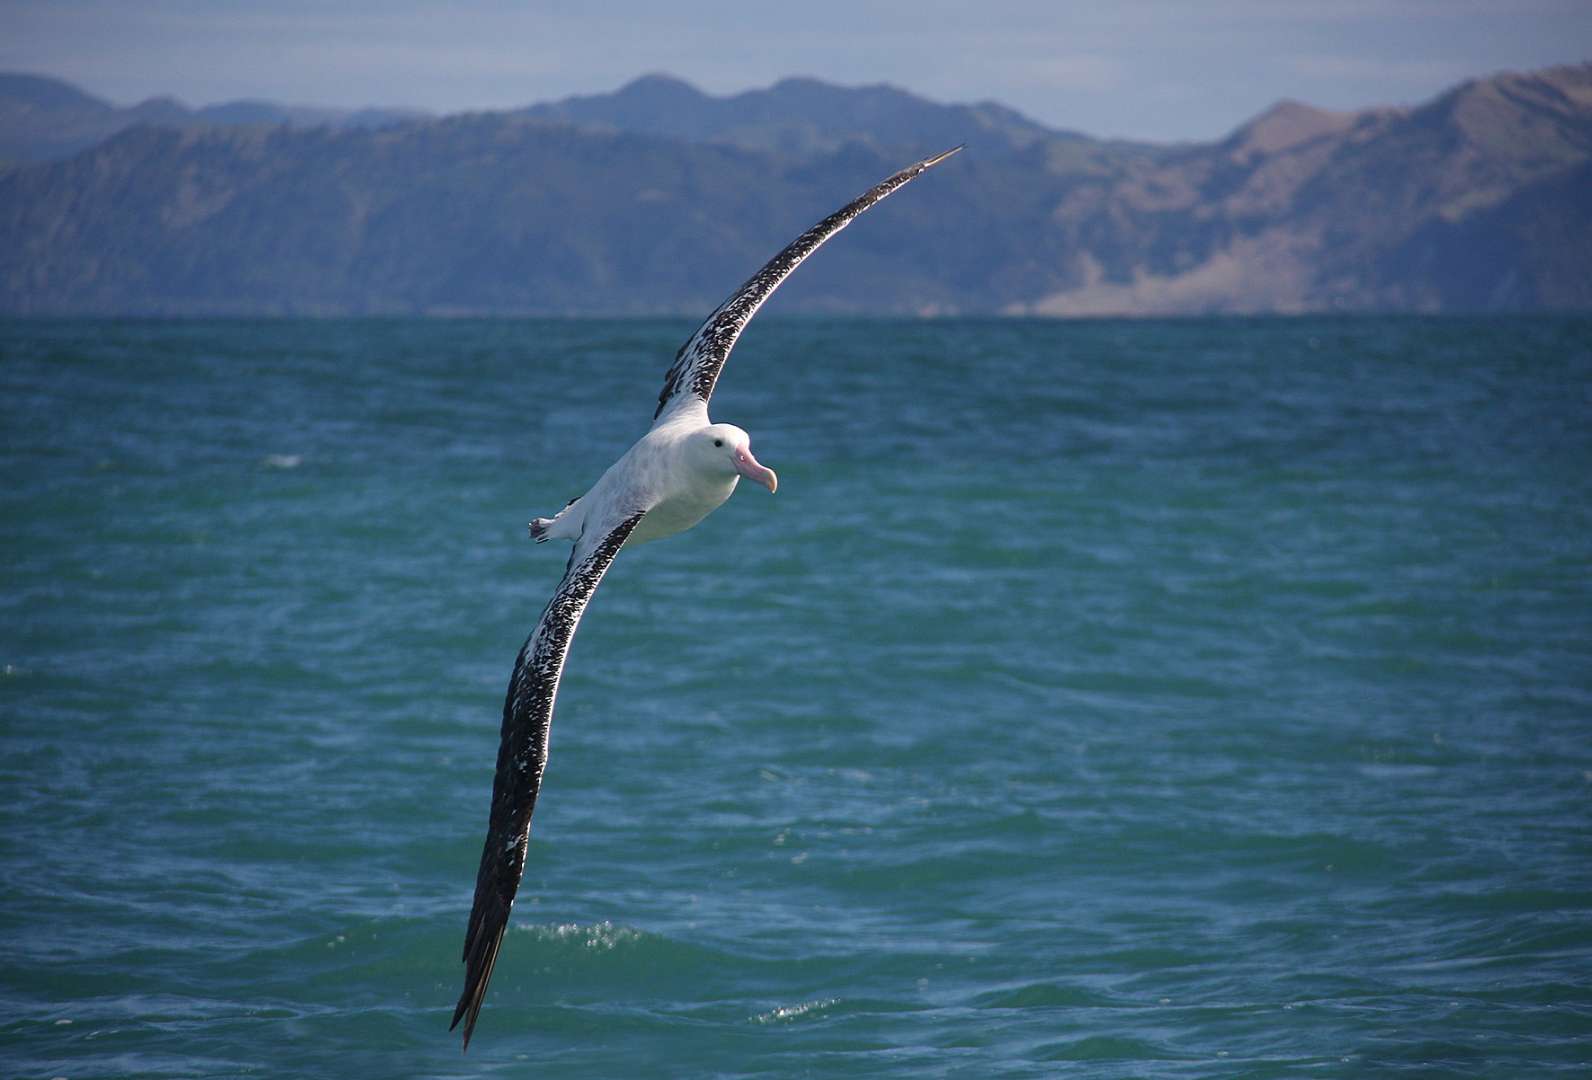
522	755
698	363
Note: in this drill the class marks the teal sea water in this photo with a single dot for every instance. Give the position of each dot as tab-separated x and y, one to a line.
1108	699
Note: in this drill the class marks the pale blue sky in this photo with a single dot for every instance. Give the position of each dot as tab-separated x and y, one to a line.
1155	69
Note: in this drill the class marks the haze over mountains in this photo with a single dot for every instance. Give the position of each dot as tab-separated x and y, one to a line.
659	199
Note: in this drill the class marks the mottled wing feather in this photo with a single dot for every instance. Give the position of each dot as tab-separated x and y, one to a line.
522	755
698	363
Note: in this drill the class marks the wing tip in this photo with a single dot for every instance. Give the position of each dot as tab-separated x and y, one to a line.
482	945
474	996
929	163
459	1014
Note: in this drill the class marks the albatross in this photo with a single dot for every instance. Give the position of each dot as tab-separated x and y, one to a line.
679	472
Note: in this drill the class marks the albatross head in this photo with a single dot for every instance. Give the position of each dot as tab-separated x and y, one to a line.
726	449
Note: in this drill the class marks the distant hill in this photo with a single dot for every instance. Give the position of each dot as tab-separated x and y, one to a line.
1436	208
801	117
659	198
44	119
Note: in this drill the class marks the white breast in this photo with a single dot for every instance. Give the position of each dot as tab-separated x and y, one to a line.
683	509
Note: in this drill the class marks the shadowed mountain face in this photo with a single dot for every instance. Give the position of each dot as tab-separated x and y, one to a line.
658	198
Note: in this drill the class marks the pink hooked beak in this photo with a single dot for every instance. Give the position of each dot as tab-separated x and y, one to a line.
749	467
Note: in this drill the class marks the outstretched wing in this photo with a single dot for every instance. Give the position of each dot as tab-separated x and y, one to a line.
522	754
698	363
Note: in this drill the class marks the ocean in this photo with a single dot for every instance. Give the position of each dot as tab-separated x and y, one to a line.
1205	698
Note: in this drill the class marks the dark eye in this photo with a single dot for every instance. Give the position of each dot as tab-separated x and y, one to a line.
718	442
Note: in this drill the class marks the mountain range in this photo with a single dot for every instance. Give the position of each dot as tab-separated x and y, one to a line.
42	119
658	198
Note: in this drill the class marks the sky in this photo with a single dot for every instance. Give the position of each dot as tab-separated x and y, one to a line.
1145	69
